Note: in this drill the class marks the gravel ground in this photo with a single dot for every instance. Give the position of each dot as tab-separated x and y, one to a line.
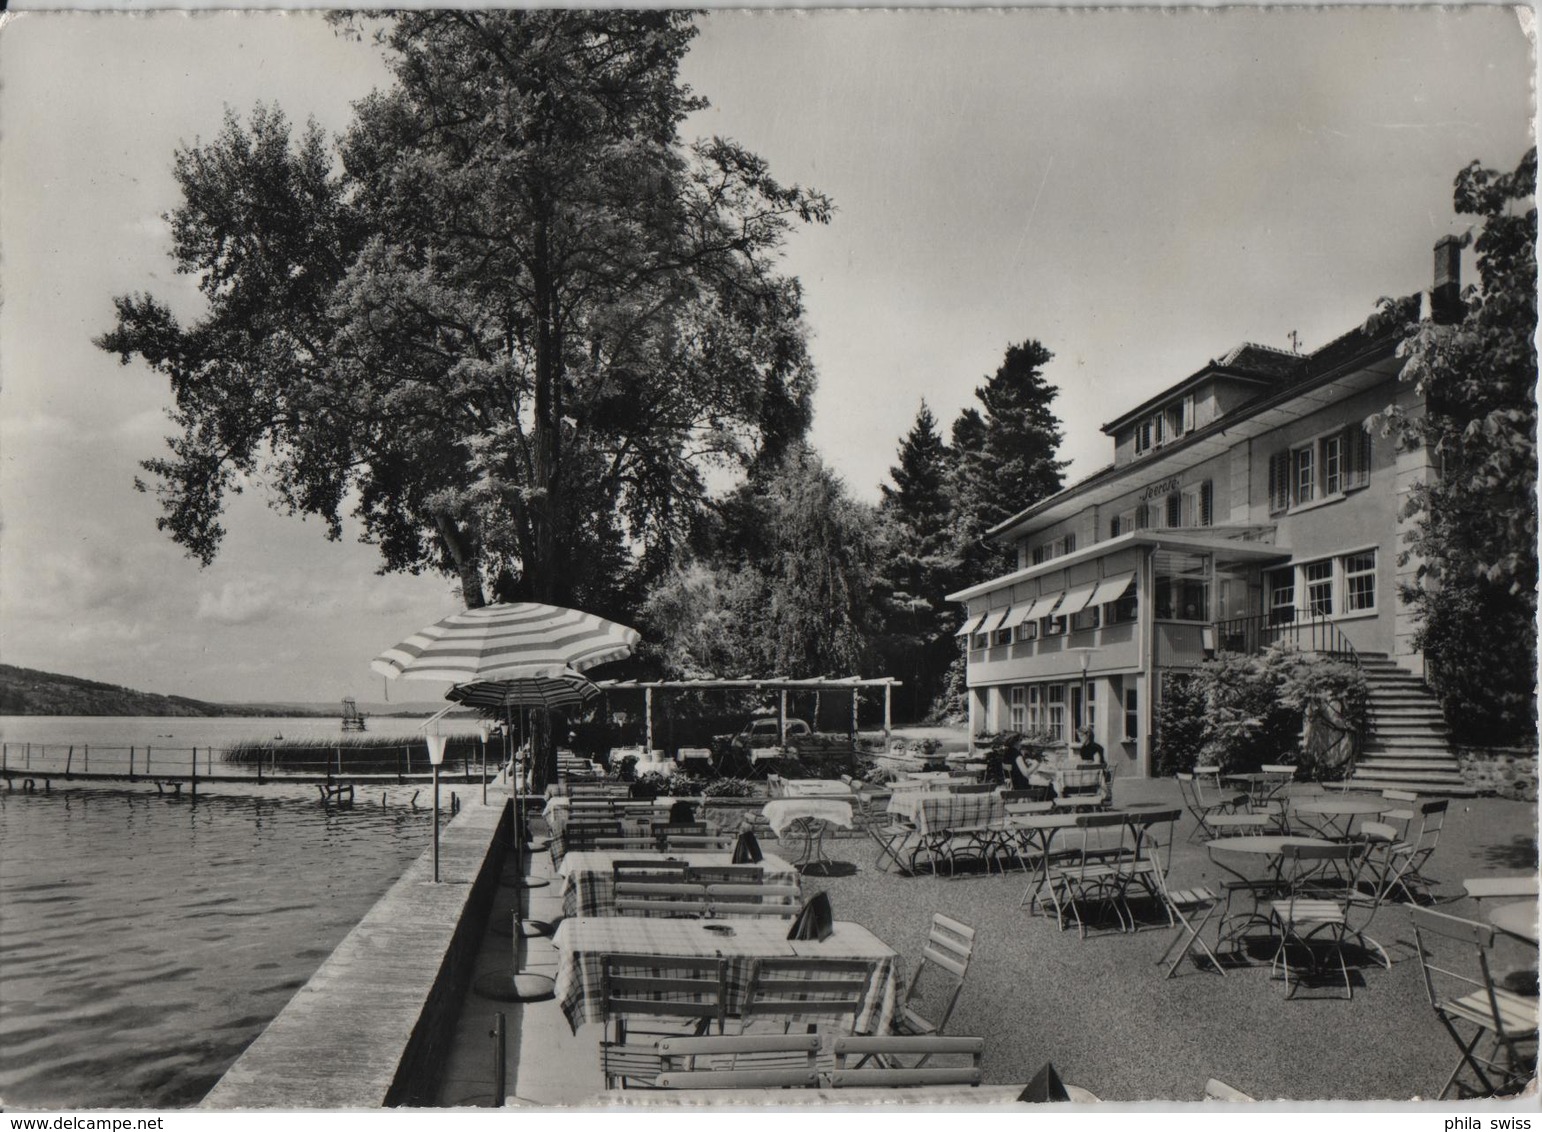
1101	1012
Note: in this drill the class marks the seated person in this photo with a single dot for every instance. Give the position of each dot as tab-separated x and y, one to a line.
1024	767
1090	750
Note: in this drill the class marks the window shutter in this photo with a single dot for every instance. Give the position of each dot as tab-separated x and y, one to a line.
1142	517
1038	555
1174	509
1113	527
1070	544
1357	456
1279	482
1206	505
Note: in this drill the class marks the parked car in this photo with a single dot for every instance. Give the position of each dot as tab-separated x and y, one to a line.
758	741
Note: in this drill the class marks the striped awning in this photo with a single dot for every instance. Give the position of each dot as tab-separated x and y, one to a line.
1076	599
498	642
971	625
1111	588
996	619
1041	606
566	690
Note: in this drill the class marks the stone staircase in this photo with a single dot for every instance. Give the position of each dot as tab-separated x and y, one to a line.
1406	746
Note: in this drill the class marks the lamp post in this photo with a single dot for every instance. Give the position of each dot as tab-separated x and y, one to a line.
1084	652
435	757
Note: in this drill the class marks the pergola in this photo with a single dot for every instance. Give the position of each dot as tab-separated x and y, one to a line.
778	684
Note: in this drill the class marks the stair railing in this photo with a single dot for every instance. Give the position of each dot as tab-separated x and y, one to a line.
1312	633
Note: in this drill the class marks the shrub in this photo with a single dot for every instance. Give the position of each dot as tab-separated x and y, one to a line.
1240	711
729	788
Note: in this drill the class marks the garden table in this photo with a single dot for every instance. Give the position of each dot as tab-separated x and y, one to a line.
815	788
807	818
1518	919
584	941
1336	809
939	817
588	888
1269	849
1038	831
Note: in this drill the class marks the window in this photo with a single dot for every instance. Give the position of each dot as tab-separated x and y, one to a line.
1017	707
1028	630
1126	608
981	641
1035	706
1089	714
1325	468
1054	710
1088	618
1305	475
1182	586
1131	715
1143	438
1065	544
1360	582
1318	579
1174	509
1003	636
1197	505
1282	597
1054	626
1332	468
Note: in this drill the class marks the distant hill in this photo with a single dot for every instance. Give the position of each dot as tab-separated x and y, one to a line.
26	691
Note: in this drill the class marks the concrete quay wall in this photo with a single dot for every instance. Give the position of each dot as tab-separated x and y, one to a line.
368	1028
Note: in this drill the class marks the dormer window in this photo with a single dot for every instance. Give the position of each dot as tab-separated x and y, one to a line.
1165	425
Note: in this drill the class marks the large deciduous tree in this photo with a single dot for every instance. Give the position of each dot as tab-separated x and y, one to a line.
1474	535
504	323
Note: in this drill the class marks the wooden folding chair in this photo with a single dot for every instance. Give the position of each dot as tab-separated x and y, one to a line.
728	874
939	979
1317	909
1464	998
663	832
1091	872
1405	860
1189	911
650	870
817	991
758	1061
686	991
661	899
753	900
863	1061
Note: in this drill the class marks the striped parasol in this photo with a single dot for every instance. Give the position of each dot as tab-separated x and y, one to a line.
508	641
566	690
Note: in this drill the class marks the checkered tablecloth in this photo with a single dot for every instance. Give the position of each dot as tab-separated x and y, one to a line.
588	890
932	813
583	942
783	812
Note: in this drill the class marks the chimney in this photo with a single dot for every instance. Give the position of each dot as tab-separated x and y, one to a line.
1446	294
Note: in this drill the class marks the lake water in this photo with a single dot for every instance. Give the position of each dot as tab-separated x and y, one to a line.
146	941
192	731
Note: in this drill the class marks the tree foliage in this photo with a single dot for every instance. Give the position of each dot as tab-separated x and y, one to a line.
505	323
780	584
1474	535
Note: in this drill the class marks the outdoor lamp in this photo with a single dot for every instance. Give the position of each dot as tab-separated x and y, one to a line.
435	757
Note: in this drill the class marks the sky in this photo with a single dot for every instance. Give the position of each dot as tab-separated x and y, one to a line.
1138	190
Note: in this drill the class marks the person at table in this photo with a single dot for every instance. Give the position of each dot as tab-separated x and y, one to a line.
1090	750
1024	767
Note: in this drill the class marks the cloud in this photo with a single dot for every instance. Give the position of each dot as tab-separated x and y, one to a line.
242	602
36	426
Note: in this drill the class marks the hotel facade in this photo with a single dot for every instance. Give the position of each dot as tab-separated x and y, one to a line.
1246	503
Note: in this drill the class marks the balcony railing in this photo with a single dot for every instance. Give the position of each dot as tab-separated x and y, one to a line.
1310	634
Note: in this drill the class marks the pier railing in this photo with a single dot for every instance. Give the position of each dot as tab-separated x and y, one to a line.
378	763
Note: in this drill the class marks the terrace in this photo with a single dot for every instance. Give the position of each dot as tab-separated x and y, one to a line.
1099	1008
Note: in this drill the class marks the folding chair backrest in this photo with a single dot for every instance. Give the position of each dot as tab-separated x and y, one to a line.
712	1062
700	842
974	788
642	898
1506	1014
657	986
728	874
1304	861
933	991
581	835
826	989
1148	825
853	1055
652	869
1433	815
663	832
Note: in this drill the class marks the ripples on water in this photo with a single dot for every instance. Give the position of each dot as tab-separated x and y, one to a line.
145	941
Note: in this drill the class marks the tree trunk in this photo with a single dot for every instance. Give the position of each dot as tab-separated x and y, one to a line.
542	569
466	564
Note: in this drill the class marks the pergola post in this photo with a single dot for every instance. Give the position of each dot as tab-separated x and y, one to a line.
648	720
888	690
855	692
781	719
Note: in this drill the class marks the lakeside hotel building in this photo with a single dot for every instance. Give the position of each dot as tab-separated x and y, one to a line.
1245	503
